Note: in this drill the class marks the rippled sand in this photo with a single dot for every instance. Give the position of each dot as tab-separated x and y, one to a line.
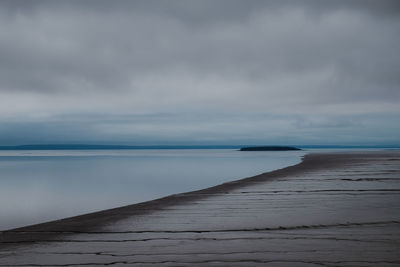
338	209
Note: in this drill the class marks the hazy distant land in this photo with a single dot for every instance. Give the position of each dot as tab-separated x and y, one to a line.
109	147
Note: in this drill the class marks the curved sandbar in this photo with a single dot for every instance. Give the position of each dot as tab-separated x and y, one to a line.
337	209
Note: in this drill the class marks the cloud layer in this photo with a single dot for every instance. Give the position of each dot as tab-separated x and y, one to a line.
244	64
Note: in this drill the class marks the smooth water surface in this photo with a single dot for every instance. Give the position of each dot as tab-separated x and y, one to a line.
38	186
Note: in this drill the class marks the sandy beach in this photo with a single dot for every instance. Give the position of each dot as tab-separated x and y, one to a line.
332	209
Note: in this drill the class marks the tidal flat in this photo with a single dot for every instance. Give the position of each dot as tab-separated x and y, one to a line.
332	209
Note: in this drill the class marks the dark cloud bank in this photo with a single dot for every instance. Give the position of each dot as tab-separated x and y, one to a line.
203	72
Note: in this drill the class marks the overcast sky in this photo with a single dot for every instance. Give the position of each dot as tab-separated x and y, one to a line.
200	72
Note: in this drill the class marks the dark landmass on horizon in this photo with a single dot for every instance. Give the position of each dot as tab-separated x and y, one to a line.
269	148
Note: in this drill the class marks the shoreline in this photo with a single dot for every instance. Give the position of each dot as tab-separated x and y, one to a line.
41	186
93	220
148	206
143	206
328	202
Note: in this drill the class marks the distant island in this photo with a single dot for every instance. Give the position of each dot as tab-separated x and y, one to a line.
269	148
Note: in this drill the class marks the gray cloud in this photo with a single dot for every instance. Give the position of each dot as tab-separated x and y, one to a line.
62	59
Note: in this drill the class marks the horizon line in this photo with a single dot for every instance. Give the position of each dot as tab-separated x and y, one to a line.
205	146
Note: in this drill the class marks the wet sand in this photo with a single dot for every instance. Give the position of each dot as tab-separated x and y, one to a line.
337	209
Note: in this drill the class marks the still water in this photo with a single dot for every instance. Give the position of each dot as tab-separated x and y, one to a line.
38	186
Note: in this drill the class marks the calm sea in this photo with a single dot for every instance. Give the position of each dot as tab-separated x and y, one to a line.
38	186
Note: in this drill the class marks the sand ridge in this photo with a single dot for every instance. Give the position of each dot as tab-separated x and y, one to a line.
336	209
